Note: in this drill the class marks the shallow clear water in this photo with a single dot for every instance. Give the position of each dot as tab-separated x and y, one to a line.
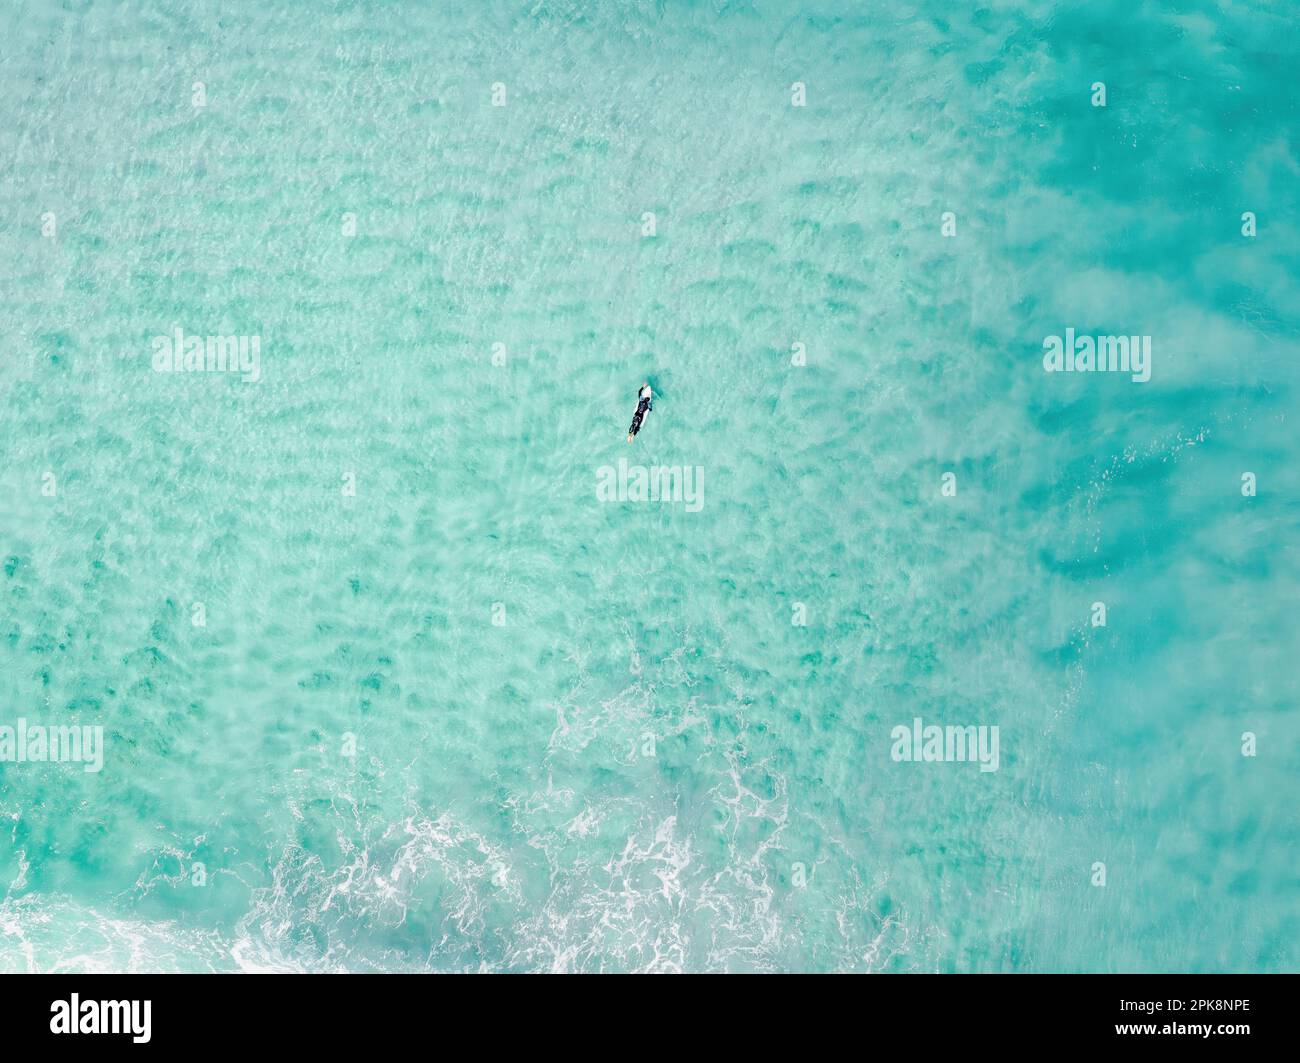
589	735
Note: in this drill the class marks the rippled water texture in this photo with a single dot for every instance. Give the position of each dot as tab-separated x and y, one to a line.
448	710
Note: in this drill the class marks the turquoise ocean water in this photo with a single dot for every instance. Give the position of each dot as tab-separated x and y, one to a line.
385	686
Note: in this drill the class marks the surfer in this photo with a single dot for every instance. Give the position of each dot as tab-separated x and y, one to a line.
643	407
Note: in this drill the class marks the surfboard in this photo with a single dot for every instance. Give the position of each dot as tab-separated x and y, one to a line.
632	435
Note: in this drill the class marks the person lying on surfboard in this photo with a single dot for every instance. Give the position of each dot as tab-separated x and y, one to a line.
643	407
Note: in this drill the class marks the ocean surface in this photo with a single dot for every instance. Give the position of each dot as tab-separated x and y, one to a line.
385	683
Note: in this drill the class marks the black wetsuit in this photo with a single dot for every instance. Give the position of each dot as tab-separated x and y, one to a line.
642	408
